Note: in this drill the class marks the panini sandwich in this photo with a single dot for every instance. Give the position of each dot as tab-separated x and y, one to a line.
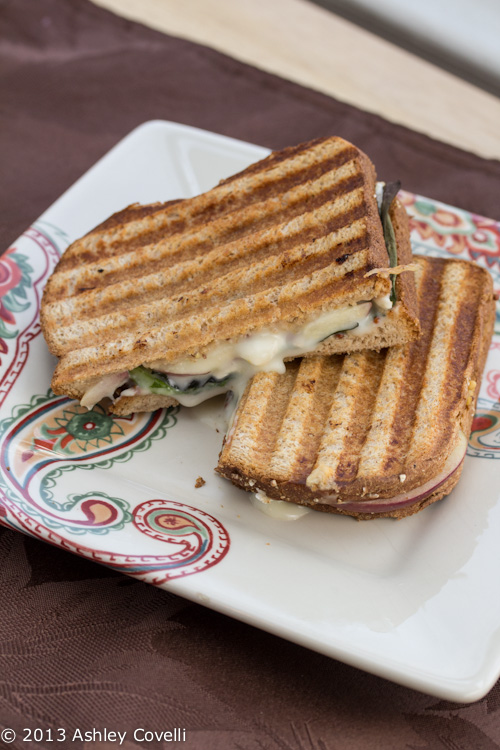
372	434
177	302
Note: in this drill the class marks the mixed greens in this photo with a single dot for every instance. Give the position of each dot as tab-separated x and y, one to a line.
390	191
156	382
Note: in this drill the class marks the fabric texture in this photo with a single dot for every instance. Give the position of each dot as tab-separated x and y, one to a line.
81	646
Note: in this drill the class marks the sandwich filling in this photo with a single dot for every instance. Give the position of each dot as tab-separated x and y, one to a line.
229	366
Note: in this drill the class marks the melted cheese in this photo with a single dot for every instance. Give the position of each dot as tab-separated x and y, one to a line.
104	388
278	509
266	350
379	194
242	359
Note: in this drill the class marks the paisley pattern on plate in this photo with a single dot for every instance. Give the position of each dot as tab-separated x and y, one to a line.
189	547
52	436
200	539
460	233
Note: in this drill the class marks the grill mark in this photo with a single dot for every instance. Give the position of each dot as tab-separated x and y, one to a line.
308	173
190	294
212	211
336	426
206	299
128	215
248	421
303	205
435	381
195	249
357	433
178	280
269	162
236	202
429	287
459	351
199	242
237	226
305	236
275	158
63	282
375	449
275	412
265	406
352	283
313	395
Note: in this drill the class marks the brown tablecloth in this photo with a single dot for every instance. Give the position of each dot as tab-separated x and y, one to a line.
80	646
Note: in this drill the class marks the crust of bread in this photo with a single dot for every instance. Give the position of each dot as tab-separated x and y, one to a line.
129	404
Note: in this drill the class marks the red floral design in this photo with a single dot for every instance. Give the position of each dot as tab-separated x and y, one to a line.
10	273
457	232
15	271
10	276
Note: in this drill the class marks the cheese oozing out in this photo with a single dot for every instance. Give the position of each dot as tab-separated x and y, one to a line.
279	509
104	388
237	361
266	350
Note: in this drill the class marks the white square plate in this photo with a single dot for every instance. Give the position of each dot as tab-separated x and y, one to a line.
415	601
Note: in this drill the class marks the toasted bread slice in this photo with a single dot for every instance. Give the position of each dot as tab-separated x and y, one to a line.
372	434
290	239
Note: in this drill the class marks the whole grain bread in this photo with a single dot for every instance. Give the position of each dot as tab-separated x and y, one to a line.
292	236
370	424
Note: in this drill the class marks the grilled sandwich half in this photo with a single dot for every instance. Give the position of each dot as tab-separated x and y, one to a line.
372	434
181	301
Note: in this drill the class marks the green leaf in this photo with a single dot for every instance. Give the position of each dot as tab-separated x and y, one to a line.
12	303
156	383
24	265
423	207
20	291
145	379
5	333
390	191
